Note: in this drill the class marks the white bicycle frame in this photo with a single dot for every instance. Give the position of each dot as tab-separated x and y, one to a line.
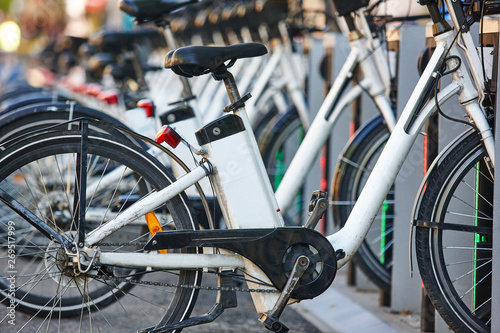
239	169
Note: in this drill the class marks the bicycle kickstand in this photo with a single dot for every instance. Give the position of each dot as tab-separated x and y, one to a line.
271	319
226	299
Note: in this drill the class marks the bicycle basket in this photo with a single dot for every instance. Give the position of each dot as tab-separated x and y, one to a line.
345	7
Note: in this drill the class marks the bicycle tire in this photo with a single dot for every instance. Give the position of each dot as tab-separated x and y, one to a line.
455	265
17	90
106	153
374	257
40	116
278	144
10	105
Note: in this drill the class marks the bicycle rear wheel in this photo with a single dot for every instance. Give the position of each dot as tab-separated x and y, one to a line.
454	234
374	257
40	172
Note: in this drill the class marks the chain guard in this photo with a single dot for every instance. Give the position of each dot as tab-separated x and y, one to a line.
272	250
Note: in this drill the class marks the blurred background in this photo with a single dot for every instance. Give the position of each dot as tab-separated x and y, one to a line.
28	27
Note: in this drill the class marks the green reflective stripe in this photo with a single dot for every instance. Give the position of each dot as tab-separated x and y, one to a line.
477	237
383	226
280	169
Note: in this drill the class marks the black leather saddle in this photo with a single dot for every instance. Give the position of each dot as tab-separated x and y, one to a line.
192	61
151	10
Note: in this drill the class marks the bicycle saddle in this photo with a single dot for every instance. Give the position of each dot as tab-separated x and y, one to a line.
150	10
114	39
192	61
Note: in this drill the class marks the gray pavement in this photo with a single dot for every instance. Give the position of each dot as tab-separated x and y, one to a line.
340	309
343	309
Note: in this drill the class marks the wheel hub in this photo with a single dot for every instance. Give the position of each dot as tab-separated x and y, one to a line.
62	268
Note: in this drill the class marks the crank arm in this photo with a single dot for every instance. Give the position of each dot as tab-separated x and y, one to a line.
271	319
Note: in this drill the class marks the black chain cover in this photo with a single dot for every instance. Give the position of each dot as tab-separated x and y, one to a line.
273	250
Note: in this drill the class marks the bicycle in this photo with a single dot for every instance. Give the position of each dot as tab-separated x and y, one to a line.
298	263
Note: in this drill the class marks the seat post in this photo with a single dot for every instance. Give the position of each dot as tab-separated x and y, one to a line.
172	45
229	82
237	102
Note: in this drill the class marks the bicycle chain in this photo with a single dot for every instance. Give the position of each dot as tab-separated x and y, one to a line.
175	285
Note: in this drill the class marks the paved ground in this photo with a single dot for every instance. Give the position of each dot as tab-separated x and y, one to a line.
340	309
343	309
244	319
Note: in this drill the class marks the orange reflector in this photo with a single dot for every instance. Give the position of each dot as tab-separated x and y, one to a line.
18	178
153	225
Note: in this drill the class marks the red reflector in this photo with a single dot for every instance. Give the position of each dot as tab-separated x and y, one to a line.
168	135
148	106
109	96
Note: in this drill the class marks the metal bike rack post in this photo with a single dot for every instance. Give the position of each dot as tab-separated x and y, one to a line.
315	96
340	133
406	290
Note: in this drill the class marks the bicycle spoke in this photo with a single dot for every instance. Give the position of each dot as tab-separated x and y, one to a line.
470	272
466	261
475	285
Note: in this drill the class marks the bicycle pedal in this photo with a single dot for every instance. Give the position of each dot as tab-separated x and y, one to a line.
273	324
315	197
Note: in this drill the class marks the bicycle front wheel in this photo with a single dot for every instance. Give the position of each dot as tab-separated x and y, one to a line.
454	234
39	279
